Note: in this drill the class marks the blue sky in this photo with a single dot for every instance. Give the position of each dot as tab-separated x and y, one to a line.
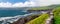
13	1
27	3
16	3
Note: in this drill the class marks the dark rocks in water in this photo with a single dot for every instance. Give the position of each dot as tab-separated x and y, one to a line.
20	21
25	19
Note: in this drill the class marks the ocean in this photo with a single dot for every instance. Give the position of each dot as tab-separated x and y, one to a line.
10	15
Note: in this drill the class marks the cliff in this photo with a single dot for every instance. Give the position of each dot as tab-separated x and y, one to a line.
26	19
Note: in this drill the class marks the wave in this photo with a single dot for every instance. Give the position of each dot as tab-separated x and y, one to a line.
12	19
6	20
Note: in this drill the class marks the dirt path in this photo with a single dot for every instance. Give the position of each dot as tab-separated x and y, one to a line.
49	20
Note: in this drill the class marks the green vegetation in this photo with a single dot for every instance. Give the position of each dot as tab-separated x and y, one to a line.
40	8
39	20
56	12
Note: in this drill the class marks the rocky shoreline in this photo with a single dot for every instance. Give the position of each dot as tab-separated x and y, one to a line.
31	17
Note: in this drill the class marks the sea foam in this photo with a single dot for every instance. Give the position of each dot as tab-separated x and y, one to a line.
12	19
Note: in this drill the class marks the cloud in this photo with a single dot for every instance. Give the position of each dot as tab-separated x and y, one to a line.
30	3
2	4
45	2
20	4
26	4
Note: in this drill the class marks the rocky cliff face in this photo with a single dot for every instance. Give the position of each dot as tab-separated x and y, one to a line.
25	19
30	17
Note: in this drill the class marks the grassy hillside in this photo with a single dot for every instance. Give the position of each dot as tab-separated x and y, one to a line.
40	20
40	8
56	15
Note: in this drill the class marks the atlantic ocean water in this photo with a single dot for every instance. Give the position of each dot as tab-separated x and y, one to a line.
10	15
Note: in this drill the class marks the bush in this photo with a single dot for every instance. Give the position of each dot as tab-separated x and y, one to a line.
56	15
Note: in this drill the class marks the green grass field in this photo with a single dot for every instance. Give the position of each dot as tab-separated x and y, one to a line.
39	20
40	8
56	15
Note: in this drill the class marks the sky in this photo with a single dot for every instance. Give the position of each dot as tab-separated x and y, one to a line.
13	1
27	3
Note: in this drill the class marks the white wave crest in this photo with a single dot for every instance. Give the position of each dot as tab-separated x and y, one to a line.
13	19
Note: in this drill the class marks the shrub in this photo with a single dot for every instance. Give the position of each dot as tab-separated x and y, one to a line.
56	15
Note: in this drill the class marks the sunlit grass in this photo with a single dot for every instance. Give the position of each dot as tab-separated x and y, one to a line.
40	8
56	15
40	20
